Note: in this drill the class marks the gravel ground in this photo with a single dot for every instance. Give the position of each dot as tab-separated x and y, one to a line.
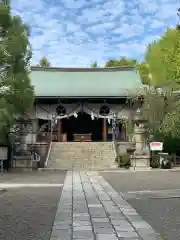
138	181
162	214
28	213
33	177
158	202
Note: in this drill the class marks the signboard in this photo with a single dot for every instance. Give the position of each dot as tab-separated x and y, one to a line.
156	146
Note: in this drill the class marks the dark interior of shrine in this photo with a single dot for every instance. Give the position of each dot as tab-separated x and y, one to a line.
43	123
83	124
121	101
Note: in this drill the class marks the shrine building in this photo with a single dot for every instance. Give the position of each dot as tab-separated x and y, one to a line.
82	104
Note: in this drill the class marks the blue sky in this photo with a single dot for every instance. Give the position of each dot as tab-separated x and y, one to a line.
74	33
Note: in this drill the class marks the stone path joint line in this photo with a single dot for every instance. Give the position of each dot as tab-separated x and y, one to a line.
90	209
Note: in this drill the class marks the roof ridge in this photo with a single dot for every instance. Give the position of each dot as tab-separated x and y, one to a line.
99	69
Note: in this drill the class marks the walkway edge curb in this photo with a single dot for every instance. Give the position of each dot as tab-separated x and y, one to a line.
110	170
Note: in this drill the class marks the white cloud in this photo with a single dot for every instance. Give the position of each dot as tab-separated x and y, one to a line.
157	24
77	32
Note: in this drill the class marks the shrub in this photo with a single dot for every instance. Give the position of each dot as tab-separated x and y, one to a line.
167	163
155	161
117	159
170	143
123	161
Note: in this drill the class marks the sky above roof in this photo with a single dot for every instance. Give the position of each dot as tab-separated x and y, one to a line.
74	33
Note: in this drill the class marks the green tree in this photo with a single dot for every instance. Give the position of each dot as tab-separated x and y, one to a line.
156	105
169	131
161	109
16	92
163	58
44	62
144	73
112	63
171	122
94	65
142	67
121	62
5	2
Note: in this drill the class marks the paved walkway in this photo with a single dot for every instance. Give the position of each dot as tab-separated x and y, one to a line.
90	209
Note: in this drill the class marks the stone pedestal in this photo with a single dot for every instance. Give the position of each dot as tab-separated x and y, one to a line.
23	162
23	144
140	162
122	147
30	138
25	126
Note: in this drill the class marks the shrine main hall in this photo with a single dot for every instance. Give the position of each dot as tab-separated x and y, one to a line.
83	104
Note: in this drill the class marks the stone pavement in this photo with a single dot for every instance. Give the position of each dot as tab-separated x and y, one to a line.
90	209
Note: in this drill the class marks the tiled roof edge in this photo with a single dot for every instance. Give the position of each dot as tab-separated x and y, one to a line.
110	69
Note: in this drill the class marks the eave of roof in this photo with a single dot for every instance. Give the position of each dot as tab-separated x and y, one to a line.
99	69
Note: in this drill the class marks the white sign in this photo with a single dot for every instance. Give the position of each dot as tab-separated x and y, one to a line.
156	146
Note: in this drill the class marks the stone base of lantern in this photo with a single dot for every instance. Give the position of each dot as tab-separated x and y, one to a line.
23	162
140	162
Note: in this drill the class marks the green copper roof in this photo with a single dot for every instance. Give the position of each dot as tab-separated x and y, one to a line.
84	82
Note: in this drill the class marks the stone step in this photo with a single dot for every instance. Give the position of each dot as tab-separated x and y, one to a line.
82	155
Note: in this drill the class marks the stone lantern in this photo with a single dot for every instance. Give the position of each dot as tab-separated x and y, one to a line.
141	156
23	159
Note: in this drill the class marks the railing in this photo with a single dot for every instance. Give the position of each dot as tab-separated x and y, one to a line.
35	158
115	149
48	154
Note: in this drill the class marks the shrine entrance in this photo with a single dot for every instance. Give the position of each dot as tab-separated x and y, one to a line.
82	128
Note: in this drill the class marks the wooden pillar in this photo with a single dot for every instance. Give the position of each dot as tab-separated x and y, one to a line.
104	129
59	129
